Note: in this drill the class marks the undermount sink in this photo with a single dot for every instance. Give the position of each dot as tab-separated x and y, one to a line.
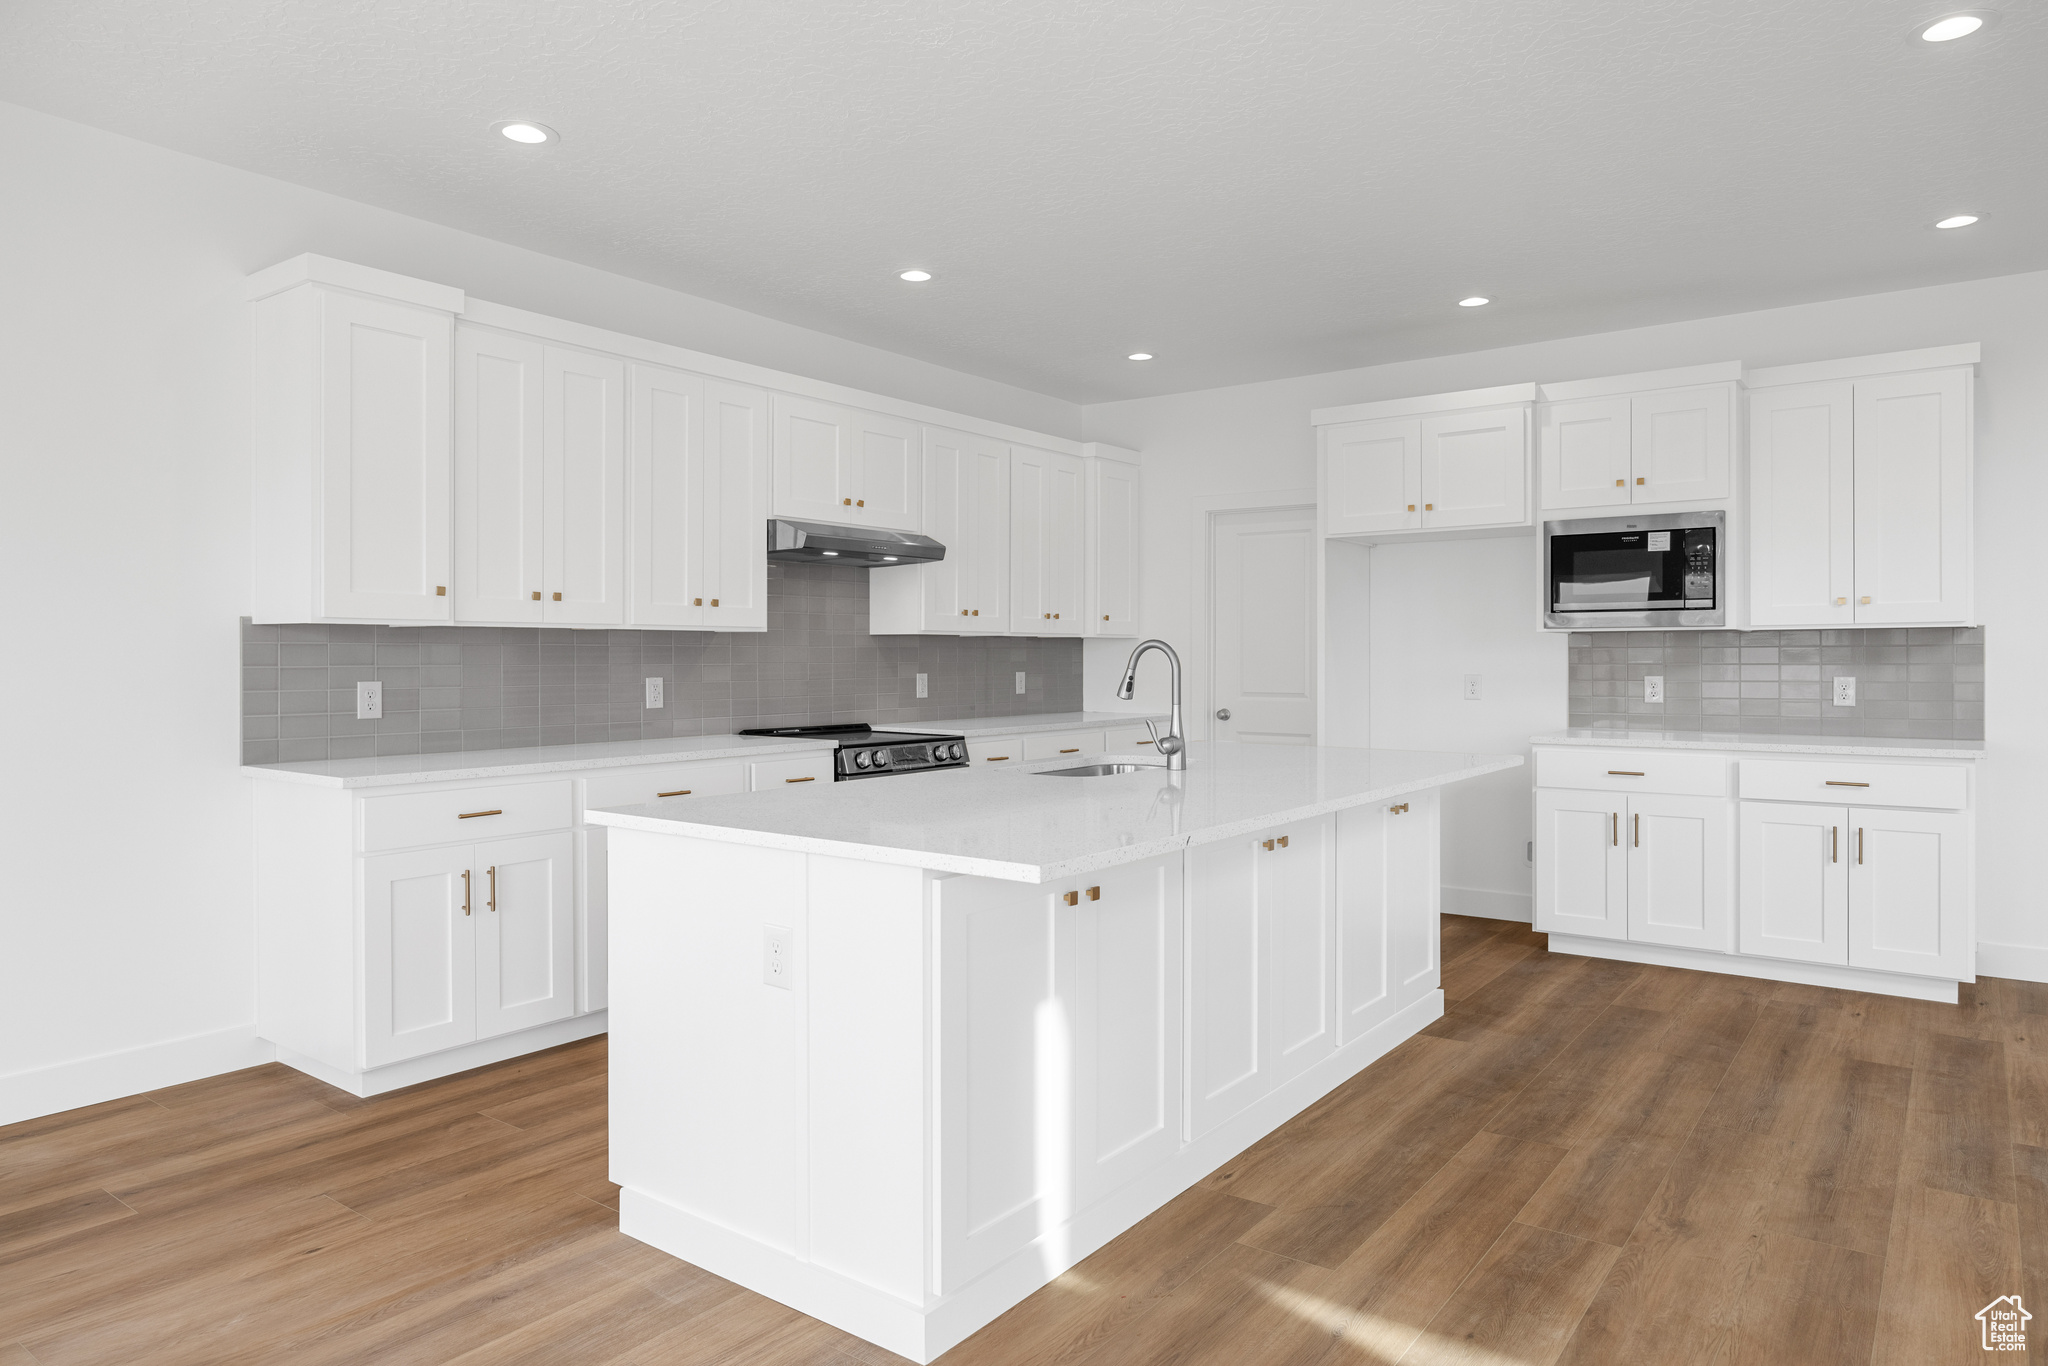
1099	770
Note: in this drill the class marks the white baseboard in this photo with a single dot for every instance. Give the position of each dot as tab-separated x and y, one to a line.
1486	904
2021	962
1770	969
923	1331
448	1061
110	1076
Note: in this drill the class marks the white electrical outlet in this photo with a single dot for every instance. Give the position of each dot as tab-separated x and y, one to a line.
1653	688
1471	687
775	956
369	701
1020	682
1845	692
653	693
924	687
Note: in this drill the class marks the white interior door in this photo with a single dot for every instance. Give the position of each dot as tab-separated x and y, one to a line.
498	479
1262	626
1585	453
523	905
1795	881
419	930
585	463
1802	491
1912	498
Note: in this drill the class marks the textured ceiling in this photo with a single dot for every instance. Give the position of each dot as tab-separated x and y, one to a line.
1248	189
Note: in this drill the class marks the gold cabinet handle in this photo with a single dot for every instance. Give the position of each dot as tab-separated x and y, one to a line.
465	891
1283	841
1639	479
1429	507
811	779
1638	819
995	758
558	597
679	792
1834	844
1268	846
441	590
1832	783
1859	844
536	595
1411	507
492	872
472	815
1070	751
1617	830
1144	742
1071	898
1095	894
1622	773
1401	809
1621	483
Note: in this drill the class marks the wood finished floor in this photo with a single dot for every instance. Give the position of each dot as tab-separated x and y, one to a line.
1582	1162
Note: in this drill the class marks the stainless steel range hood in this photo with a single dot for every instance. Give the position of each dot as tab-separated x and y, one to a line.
868	547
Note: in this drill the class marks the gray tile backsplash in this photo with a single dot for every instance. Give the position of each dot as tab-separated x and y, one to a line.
1920	683
452	688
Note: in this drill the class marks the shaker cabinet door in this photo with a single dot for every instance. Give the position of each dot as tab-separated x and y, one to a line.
669	494
419	934
499	514
1581	867
523	907
584	462
1372	474
734	555
1475	468
1909	891
1795	881
1913	518
1679	878
1802	498
1679	443
1585	453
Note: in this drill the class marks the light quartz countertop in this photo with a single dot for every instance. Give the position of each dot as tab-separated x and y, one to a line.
1866	746
400	769
1019	825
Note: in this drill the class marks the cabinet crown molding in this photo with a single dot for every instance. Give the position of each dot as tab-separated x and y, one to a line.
1608	386
325	270
1499	396
1102	450
1862	367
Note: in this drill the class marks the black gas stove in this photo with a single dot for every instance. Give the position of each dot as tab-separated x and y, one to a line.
865	752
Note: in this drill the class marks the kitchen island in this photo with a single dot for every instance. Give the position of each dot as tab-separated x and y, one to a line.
897	1053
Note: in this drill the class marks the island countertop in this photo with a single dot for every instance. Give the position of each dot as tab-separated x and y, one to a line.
1019	825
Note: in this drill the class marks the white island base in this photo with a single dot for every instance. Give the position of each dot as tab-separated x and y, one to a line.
901	1098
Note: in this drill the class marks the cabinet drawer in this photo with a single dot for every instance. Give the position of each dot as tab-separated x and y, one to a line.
1855	784
470	813
631	786
994	751
780	773
1127	740
1073	745
1633	770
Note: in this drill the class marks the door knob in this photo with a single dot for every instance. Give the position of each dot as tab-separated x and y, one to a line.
1223	713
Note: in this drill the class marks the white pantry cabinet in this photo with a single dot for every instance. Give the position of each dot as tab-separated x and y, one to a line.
1615	449
966	499
540	473
1048	531
413	932
698	490
838	464
1758	876
352	445
1447	464
1860	495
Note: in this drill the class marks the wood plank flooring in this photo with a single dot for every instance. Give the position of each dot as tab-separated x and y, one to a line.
1583	1162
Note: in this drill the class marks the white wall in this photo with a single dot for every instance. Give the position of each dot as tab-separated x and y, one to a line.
1256	437
125	918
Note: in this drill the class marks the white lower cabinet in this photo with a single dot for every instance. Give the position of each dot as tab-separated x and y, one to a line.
1869	890
1388	901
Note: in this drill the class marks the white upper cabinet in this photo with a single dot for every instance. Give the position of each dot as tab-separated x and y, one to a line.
1637	439
1112	563
540	473
837	464
699	499
966	500
354	386
1372	475
1047	531
1475	468
1860	500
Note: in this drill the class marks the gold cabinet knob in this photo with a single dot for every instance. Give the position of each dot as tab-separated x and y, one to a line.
1095	894
714	602
1411	507
847	501
1283	841
1620	483
1639	480
963	611
1429	507
558	597
1105	616
536	595
977	611
1071	898
441	591
1841	602
1866	602
860	502
1267	845
696	602
1048	616
1055	616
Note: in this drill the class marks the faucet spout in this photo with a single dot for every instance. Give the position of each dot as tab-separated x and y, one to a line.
1173	744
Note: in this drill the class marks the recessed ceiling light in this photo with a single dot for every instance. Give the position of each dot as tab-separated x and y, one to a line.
1961	220
1139	355
916	277
1949	29
522	130
1474	302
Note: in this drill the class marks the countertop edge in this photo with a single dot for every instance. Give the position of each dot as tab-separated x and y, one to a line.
1877	748
1006	871
533	768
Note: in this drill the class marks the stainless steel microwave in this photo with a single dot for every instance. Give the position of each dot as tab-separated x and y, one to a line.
1647	573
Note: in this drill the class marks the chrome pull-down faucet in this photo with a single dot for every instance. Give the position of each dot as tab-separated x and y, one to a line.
1173	744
